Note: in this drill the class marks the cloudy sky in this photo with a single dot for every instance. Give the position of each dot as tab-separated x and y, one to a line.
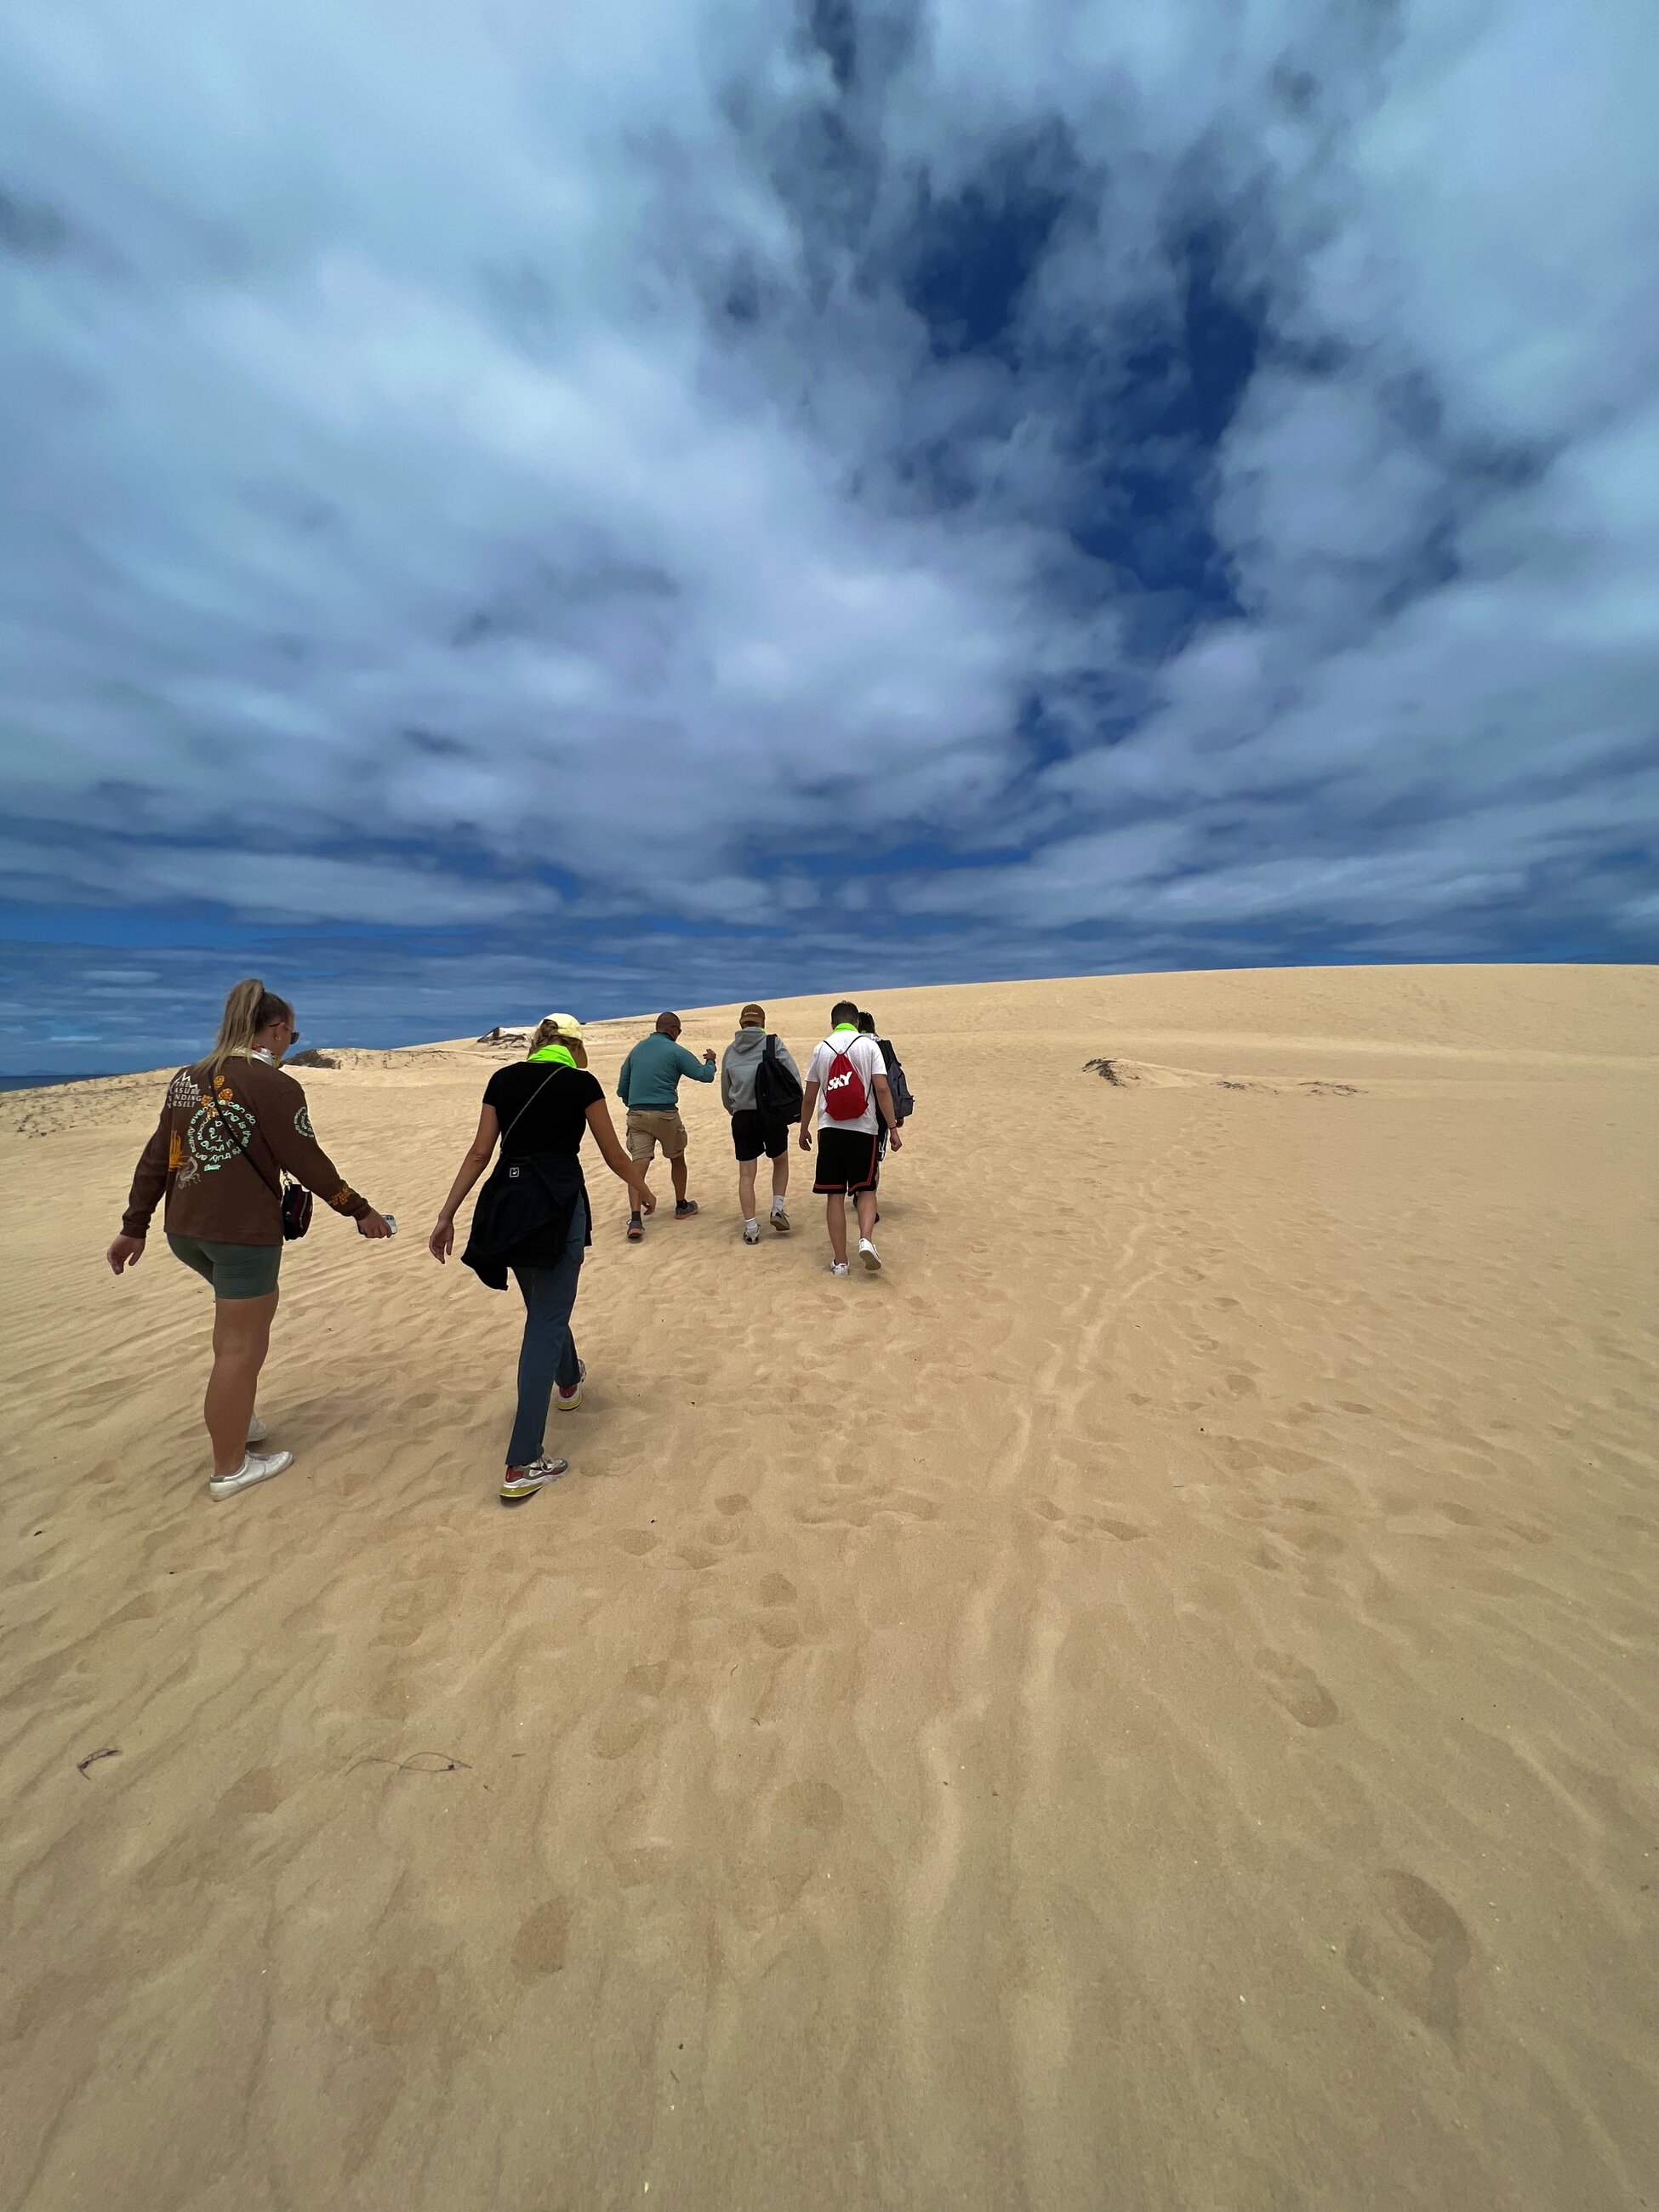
511	506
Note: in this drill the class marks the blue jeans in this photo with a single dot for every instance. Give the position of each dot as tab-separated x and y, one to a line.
548	1354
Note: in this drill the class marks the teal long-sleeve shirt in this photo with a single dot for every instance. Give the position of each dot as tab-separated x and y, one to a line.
649	1079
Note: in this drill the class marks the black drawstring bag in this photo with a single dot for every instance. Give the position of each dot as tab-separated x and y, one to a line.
293	1200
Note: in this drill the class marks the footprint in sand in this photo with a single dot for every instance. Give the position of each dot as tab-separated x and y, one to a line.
785	1850
1121	1532
639	1541
812	1805
400	1697
538	1948
719	1534
629	1715
404	1617
400	2006
780	1626
140	1608
216	1847
1411	1952
736	1502
1297	1689
1070	1528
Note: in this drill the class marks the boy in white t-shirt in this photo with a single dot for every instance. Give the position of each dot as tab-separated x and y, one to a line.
847	1160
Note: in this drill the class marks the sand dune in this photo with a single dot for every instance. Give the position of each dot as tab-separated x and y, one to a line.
1149	1702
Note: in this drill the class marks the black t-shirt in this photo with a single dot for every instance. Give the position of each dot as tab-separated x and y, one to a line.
544	1105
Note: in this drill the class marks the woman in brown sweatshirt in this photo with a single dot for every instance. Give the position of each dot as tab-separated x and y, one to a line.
229	1127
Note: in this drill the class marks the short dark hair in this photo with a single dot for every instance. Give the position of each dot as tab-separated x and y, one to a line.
867	1024
843	1011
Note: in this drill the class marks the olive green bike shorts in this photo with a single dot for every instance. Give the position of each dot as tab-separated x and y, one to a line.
235	1271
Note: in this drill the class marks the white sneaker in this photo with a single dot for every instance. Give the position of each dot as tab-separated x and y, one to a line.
838	1266
870	1256
257	1431
253	1469
524	1482
751	1232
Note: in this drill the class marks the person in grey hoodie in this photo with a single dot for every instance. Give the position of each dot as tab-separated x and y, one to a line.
757	1129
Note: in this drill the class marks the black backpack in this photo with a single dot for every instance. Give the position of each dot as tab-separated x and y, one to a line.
903	1104
777	1093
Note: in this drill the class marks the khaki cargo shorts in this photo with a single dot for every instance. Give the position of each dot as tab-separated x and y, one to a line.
646	1131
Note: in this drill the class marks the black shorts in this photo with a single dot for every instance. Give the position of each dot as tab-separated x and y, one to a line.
753	1134
847	1160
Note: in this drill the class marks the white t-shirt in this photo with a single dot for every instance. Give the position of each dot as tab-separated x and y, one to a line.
866	1055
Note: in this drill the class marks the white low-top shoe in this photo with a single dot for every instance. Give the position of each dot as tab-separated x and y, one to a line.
257	1431
870	1256
253	1469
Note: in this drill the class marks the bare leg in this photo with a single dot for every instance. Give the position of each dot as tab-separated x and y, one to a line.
746	1188
647	1204
241	1336
677	1170
781	1173
835	1207
866	1202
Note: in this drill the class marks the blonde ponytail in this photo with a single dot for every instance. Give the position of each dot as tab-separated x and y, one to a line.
248	1009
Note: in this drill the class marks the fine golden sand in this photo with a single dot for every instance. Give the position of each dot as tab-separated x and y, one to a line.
1152	1702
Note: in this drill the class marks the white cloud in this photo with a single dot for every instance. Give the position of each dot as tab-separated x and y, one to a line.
444	448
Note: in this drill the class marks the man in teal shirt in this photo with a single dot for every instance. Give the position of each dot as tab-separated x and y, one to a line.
648	1085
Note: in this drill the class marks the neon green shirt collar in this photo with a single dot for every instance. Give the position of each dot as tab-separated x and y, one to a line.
555	1052
839	1026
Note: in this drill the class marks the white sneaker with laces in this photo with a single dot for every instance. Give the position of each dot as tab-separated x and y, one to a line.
253	1469
524	1482
838	1266
870	1256
751	1232
257	1431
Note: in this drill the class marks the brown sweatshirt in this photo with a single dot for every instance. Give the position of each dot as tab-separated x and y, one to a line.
213	1191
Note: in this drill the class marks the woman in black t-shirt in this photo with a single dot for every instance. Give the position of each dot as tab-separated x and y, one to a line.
533	1217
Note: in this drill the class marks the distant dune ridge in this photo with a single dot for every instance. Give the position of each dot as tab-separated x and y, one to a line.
1149	1701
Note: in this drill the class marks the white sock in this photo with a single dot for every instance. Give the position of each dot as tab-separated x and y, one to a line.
777	1203
751	1223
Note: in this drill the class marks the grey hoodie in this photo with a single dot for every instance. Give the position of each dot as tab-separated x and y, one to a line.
743	1057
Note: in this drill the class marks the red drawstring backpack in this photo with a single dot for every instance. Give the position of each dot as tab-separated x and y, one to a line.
844	1095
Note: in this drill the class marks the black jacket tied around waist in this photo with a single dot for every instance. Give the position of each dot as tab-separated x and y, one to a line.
526	1216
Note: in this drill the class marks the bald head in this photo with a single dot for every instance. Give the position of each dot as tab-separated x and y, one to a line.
668	1026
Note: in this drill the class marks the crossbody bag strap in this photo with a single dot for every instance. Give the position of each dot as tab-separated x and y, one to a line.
528	1104
229	1129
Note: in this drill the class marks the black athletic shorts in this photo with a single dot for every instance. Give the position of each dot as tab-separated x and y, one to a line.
847	1160
753	1134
